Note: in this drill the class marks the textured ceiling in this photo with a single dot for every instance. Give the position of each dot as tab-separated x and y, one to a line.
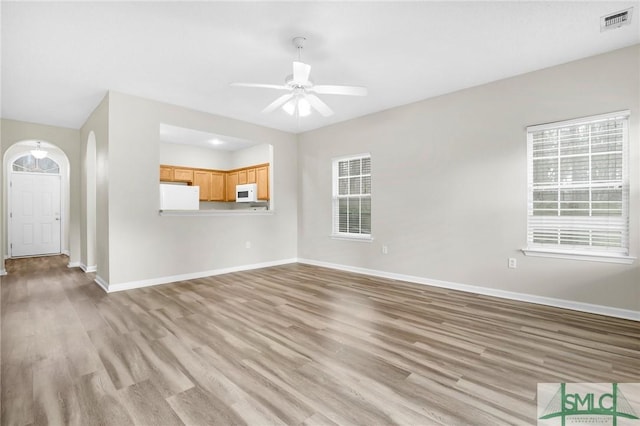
59	59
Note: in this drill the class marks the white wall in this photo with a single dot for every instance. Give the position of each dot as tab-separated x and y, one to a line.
449	185
210	158
258	154
144	245
175	154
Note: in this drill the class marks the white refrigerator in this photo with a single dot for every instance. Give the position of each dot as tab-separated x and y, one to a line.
179	197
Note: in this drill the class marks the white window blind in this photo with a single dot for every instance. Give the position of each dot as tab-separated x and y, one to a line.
578	186
352	196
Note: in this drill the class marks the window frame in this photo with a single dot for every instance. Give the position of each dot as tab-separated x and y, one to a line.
36	162
590	252
335	200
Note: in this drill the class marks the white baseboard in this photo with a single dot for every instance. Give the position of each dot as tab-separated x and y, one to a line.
110	288
86	268
503	294
3	272
74	265
102	283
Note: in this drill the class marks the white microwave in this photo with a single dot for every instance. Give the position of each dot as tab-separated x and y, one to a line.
246	193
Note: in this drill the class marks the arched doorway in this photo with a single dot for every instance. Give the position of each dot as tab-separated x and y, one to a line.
37	200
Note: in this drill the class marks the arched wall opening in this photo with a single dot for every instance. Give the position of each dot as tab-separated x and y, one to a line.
89	263
18	150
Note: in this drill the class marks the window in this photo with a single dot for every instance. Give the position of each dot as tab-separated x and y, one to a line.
31	164
352	197
578	187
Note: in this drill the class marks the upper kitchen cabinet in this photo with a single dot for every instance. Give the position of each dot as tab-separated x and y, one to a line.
202	179
242	177
232	181
166	173
183	175
251	176
262	179
218	183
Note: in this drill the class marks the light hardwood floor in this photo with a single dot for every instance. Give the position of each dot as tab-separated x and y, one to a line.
291	345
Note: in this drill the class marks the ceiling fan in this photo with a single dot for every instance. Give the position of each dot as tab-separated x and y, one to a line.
301	96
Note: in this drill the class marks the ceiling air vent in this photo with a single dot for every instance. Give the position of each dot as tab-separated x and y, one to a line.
615	20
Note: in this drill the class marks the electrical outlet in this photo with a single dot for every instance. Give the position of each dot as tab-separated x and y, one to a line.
513	263
385	250
247	244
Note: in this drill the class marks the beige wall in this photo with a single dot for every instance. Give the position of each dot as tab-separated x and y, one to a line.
449	192
67	140
144	245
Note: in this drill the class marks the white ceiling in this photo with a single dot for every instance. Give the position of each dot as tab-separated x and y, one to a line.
59	59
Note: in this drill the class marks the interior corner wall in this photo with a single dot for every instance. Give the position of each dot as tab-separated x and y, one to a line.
449	183
68	140
143	245
98	123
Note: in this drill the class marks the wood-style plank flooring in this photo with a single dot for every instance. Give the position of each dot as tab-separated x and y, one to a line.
294	345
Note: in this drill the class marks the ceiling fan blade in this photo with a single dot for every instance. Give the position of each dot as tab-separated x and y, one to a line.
301	73
265	86
277	103
319	106
339	90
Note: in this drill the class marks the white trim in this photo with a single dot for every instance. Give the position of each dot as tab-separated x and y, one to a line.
213	212
353	237
580	120
3	272
350	157
65	252
503	294
86	268
110	288
102	283
74	265
592	257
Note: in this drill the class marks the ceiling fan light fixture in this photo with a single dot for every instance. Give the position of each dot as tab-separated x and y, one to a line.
38	153
290	107
304	107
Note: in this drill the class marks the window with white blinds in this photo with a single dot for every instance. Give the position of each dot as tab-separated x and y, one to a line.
352	197
578	186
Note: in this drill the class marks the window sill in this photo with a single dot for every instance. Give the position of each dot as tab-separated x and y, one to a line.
590	257
364	239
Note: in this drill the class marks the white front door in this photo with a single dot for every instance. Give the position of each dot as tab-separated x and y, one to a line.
35	214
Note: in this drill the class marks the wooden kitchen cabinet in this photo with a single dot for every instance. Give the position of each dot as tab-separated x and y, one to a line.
183	175
166	173
242	177
203	180
262	179
232	181
251	175
218	186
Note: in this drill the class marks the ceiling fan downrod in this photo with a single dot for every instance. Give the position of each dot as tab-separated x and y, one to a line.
298	42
